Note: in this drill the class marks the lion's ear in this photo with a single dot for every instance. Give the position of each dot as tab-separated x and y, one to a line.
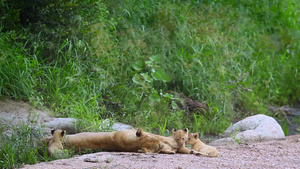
63	133
186	130
196	135
52	131
139	132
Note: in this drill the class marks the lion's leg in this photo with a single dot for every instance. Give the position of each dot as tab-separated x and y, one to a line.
46	140
167	151
208	151
185	150
144	150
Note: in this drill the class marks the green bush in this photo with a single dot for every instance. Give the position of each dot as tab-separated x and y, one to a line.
126	60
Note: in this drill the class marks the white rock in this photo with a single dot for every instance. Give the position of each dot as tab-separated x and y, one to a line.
106	124
223	142
120	126
247	136
255	128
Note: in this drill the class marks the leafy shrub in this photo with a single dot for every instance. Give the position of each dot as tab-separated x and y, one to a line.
125	59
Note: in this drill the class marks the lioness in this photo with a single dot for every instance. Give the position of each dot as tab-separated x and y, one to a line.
175	142
55	144
125	140
199	146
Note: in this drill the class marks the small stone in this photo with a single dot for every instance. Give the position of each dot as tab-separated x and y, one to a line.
87	160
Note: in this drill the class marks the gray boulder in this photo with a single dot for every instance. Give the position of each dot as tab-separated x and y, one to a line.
120	126
255	128
224	142
68	124
247	136
13	114
116	126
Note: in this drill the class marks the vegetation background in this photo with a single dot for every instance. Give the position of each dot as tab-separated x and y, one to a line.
136	60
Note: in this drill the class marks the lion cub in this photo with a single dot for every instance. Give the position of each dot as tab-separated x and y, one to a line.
199	146
175	142
55	144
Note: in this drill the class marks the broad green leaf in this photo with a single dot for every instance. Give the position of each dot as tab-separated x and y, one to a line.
174	105
138	65
155	58
167	95
147	78
136	79
154	97
160	74
149	63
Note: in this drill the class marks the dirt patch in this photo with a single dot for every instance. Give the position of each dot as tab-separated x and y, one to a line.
15	113
268	154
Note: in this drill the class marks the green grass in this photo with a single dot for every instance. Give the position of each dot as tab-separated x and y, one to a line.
20	147
129	60
237	57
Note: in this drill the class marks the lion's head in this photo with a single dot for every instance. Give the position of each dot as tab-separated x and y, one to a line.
181	136
58	135
193	137
148	143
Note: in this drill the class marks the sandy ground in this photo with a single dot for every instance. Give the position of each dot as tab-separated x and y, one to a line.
268	154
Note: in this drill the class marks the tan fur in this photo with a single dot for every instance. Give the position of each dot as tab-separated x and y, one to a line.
46	140
199	146
125	140
175	142
55	144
